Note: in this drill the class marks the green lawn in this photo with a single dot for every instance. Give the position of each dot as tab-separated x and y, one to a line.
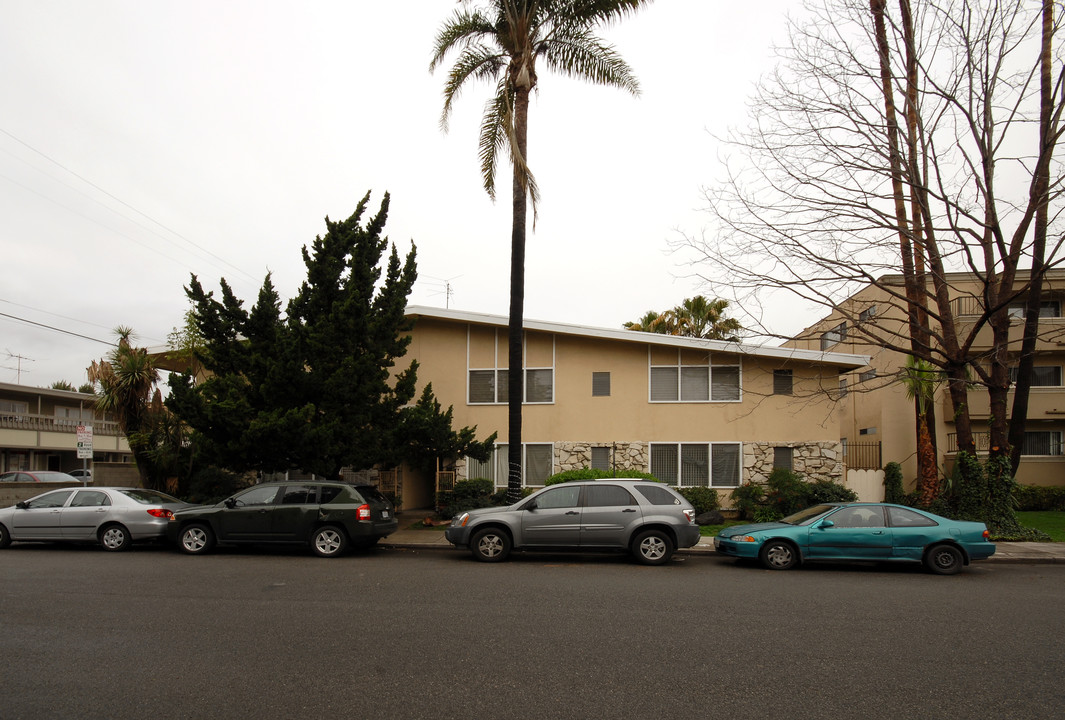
1052	523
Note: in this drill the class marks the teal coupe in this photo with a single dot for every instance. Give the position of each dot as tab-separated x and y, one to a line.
859	531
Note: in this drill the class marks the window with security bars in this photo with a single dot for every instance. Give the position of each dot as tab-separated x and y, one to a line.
600	384
600	458
782	382
491	386
696	464
537	465
783	457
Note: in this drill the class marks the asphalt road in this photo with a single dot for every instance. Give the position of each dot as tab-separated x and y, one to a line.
431	634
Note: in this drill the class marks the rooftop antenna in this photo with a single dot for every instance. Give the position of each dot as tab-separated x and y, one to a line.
448	290
18	368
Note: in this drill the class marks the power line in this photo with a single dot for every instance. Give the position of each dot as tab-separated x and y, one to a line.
59	330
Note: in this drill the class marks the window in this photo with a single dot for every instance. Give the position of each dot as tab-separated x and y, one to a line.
600	458
300	495
842	388
783	457
537	465
563	497
692	383
868	314
491	386
1042	442
834	336
257	496
600	384
782	382
90	498
607	496
13	409
658	495
858	517
867	431
696	464
867	375
51	500
1047	309
900	517
1042	375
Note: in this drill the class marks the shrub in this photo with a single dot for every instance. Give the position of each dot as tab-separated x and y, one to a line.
591	474
747	498
785	493
703	499
826	491
1037	497
894	492
466	495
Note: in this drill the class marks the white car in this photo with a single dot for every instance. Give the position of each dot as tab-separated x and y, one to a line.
114	517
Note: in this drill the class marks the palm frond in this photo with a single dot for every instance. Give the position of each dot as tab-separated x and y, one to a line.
583	56
498	114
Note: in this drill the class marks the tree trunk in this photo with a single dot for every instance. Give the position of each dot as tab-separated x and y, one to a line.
516	374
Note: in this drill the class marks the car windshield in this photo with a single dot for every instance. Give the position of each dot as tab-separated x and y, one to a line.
807	516
148	497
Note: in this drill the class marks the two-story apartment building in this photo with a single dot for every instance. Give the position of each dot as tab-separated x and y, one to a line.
693	412
875	406
38	429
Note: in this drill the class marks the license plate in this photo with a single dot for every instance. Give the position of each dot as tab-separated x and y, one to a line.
385	514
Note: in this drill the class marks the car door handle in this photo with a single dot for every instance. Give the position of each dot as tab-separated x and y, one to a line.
629	510
573	512
879	532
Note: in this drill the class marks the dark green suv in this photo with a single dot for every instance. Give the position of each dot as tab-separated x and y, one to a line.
329	516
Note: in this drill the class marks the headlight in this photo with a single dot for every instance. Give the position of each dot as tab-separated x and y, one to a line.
460	520
742	538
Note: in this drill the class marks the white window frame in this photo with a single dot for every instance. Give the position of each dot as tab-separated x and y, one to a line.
834	336
680	480
685	380
498	466
500	376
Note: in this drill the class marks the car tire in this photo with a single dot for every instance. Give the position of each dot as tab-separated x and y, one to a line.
329	541
114	538
196	539
652	547
944	560
779	555
5	537
490	545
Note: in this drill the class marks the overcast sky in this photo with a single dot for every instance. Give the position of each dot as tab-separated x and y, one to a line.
144	141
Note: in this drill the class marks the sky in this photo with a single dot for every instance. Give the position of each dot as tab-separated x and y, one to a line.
143	142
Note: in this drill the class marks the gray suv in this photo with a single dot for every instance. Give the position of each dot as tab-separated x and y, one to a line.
648	519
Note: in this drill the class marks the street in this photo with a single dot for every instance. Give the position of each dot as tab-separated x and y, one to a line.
410	634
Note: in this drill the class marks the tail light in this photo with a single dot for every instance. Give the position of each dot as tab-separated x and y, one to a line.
362	512
987	534
161	513
690	514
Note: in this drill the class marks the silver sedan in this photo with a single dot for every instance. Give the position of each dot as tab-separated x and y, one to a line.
114	517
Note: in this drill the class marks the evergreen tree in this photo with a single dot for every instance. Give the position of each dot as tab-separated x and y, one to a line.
315	389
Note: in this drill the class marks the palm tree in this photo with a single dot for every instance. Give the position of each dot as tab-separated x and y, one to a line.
501	41
127	382
702	318
652	322
921	378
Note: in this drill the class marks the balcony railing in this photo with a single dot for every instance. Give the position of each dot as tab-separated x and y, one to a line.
1035	443
50	423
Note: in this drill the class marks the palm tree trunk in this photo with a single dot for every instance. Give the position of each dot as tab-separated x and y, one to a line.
516	374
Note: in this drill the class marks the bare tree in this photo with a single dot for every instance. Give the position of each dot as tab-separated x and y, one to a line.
835	187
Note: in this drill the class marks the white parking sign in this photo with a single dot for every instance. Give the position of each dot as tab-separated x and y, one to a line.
84	442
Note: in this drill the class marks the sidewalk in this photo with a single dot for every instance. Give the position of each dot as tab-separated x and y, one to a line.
1005	552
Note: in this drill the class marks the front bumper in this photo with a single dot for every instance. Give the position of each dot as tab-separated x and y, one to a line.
726	546
457	535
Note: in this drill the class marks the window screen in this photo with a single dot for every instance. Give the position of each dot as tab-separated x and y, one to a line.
600	384
782	382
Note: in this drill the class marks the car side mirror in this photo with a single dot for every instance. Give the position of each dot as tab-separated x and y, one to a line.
22	505
230	503
826	524
531	506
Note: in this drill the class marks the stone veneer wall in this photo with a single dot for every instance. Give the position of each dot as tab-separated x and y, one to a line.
814	461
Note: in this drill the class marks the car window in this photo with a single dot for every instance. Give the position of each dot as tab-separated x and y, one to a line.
330	493
300	495
90	498
563	497
901	518
858	517
658	495
371	494
51	500
148	497
607	496
263	495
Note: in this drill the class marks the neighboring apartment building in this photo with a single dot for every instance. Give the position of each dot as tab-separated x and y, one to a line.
874	404
38	430
692	412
